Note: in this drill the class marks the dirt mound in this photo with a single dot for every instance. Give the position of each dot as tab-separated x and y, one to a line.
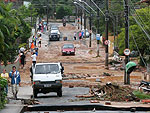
111	92
114	92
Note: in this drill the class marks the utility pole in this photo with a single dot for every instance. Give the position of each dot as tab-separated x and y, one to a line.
47	14
84	21
126	76
114	32
78	17
31	15
81	19
98	30
106	35
90	27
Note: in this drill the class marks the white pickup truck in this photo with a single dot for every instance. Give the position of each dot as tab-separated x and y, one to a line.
47	77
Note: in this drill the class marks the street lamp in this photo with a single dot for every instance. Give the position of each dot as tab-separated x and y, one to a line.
87	5
81	6
81	10
106	19
90	22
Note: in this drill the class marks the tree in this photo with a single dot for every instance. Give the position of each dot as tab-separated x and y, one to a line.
137	33
12	28
63	11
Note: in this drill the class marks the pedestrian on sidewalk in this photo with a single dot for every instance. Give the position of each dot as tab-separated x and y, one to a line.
5	76
75	36
40	40
36	50
22	59
32	46
80	35
15	81
33	56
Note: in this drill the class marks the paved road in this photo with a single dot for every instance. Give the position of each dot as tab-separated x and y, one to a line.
68	97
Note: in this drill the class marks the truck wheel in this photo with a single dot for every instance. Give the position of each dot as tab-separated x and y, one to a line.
59	93
35	93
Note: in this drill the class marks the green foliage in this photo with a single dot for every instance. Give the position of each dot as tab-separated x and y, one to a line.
141	95
3	84
140	37
63	11
13	30
23	45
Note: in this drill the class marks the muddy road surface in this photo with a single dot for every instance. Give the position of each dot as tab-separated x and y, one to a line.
83	66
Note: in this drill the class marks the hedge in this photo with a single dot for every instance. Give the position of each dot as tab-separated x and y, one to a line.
3	84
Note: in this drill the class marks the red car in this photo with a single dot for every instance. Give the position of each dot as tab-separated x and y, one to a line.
68	49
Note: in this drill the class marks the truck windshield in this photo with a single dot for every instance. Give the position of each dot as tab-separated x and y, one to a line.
47	69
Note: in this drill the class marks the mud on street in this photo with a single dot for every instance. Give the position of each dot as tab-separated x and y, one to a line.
84	65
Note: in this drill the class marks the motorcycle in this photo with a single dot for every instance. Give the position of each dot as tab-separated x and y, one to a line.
145	86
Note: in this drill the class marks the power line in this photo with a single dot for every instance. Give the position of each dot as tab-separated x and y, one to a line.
139	16
141	26
138	48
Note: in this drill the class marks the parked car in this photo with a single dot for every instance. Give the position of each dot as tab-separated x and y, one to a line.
68	49
47	77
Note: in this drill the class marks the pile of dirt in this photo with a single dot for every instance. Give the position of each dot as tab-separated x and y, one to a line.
70	27
112	92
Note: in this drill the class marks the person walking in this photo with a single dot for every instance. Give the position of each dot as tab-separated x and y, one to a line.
36	50
33	56
40	39
75	36
32	46
5	76
80	35
22	59
15	81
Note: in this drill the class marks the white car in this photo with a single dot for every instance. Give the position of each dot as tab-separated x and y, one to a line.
47	77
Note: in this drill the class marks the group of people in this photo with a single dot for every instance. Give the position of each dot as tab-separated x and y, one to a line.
14	75
34	47
81	34
42	26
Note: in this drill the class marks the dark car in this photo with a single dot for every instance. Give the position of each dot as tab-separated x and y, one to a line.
54	37
68	49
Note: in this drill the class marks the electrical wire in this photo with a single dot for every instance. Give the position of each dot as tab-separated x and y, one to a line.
139	16
137	48
142	29
141	26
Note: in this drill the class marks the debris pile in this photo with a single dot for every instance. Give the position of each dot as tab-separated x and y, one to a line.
112	92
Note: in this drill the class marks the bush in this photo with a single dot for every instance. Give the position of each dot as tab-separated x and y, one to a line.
141	95
3	84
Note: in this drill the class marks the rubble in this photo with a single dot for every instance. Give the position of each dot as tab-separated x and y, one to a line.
112	92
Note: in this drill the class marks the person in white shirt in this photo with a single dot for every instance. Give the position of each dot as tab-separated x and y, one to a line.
33	56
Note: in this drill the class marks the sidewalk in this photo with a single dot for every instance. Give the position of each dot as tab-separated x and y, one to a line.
15	106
